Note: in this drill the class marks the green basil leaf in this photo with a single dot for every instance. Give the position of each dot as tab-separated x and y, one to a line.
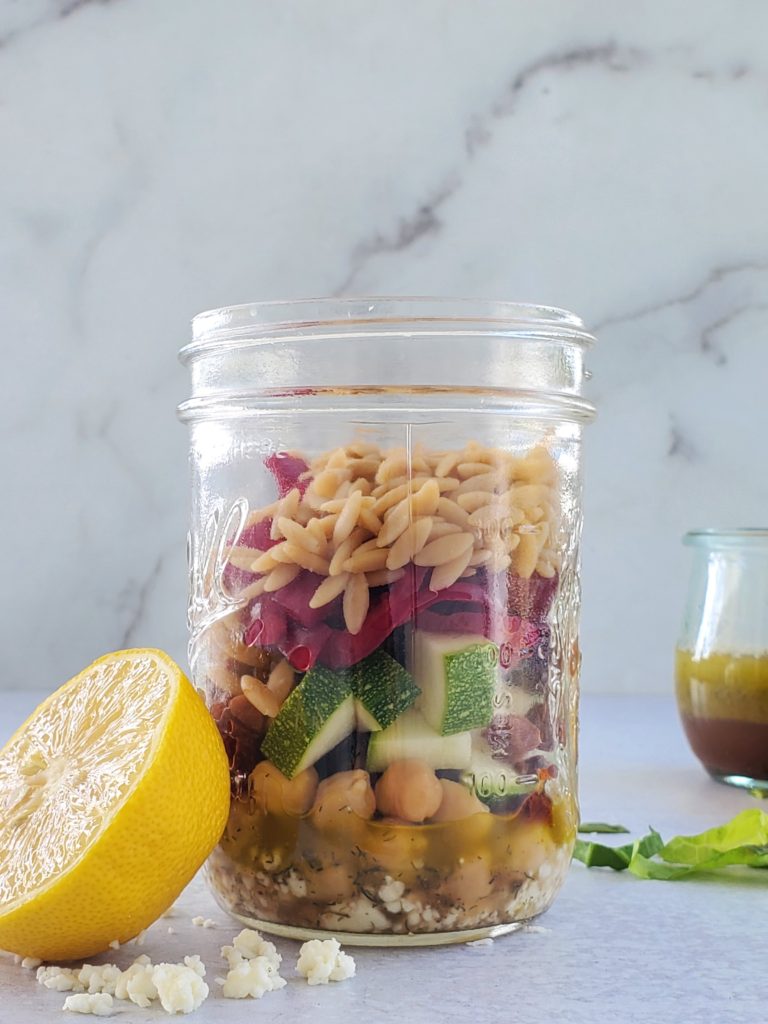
748	830
600	827
742	841
748	856
596	855
648	846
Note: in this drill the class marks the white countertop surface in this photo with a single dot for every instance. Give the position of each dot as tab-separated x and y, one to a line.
613	948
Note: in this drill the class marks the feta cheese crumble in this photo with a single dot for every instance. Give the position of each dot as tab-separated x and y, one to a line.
322	960
178	987
31	963
136	983
203	922
101	978
251	979
59	979
248	945
100	1004
254	967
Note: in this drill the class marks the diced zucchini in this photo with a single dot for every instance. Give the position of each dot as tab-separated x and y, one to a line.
410	736
364	719
326	706
382	689
315	717
457	675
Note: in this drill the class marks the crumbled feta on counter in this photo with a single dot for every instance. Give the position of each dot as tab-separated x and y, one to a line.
203	922
194	963
251	979
322	960
59	979
248	945
99	978
31	963
180	987
254	967
99	1004
136	983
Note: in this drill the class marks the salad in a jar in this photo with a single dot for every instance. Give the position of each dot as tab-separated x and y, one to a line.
384	689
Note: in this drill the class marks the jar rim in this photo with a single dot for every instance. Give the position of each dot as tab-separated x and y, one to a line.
726	537
325	317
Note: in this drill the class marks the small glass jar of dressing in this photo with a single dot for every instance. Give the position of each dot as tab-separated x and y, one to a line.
722	656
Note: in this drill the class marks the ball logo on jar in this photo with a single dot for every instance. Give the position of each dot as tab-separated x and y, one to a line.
487	785
208	560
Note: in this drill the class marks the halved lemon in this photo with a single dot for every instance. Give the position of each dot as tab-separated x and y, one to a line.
112	794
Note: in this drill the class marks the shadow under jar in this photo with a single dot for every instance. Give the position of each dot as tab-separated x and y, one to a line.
384	571
721	668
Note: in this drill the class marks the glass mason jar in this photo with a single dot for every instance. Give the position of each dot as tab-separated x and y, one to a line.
384	567
722	656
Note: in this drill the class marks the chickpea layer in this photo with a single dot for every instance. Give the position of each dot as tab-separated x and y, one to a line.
409	790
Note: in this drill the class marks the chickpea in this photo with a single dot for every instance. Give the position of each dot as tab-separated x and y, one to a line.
470	883
531	846
394	846
409	789
275	794
343	795
458	802
241	709
331	884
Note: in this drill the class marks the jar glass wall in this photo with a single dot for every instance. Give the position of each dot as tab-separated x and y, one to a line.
384	567
722	656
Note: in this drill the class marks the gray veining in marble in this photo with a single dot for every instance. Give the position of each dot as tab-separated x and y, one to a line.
162	159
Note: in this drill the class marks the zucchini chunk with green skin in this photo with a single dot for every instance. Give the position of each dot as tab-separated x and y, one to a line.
382	689
410	737
315	717
457	675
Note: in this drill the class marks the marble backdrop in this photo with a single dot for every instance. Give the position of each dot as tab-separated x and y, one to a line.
162	158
